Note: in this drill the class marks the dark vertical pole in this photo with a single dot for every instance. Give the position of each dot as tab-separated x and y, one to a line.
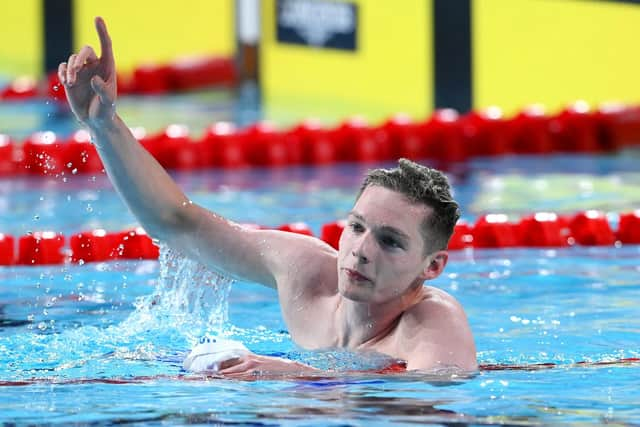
58	32
452	54
247	61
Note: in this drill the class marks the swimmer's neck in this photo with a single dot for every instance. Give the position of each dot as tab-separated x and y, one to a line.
361	325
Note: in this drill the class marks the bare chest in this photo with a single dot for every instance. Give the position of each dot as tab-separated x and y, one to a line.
314	325
311	323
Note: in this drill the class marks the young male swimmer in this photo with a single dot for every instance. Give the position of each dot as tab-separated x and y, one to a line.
369	295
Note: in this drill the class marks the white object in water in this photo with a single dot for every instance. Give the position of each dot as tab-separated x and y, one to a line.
210	352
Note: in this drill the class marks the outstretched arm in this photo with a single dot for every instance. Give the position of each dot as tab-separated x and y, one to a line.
152	195
255	366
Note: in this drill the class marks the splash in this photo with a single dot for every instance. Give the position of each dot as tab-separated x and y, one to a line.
189	299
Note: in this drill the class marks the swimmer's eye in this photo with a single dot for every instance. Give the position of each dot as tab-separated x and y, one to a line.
356	227
389	242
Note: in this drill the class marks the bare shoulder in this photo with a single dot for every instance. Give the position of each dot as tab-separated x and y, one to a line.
305	271
436	332
436	305
300	261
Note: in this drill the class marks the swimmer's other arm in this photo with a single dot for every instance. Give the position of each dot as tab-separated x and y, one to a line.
255	366
262	256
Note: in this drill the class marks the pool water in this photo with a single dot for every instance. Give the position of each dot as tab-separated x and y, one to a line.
103	343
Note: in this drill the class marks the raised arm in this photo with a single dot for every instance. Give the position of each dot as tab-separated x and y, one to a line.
90	84
154	198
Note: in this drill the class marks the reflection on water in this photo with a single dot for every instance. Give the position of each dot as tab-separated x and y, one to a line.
342	403
6	322
197	110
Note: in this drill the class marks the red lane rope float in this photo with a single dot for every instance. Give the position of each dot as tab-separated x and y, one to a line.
443	137
40	248
98	245
44	154
539	230
147	79
7	251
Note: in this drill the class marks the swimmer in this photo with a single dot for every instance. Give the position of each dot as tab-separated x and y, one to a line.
369	295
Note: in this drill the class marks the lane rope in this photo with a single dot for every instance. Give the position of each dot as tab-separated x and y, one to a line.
491	231
445	137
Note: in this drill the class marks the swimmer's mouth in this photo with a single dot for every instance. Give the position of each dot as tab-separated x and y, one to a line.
355	275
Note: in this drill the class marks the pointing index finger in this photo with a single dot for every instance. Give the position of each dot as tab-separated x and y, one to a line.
105	40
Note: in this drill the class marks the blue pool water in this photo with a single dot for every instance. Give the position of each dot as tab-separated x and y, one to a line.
85	345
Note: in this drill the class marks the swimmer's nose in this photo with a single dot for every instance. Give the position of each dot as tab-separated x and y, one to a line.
361	248
361	258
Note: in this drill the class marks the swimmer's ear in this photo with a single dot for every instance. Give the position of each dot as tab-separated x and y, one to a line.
434	265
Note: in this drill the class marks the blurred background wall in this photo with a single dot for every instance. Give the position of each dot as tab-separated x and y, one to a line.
366	57
554	51
39	34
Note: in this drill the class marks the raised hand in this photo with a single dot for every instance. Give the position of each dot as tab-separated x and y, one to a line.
90	82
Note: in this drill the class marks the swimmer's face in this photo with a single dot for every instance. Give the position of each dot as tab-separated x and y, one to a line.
381	253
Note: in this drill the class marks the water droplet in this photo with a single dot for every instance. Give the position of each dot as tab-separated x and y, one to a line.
74	171
89	208
56	87
42	326
36	217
